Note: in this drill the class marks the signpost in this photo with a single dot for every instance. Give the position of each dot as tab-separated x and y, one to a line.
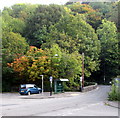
51	78
42	83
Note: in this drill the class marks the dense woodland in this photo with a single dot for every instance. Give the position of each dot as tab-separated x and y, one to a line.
33	34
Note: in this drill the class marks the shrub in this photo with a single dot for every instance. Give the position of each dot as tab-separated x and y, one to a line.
114	94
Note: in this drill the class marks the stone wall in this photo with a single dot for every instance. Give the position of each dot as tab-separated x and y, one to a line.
89	88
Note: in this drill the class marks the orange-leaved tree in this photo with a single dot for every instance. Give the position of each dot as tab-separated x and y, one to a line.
32	65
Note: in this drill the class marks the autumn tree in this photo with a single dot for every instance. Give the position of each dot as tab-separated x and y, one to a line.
32	65
93	17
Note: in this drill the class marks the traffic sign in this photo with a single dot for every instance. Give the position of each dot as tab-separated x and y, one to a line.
81	79
51	78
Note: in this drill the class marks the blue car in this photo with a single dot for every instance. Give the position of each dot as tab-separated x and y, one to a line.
27	89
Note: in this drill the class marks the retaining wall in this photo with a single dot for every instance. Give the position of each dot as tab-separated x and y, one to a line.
89	88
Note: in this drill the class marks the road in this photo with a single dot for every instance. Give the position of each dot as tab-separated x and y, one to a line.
78	104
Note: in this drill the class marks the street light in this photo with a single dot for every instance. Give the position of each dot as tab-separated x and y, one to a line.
51	78
42	83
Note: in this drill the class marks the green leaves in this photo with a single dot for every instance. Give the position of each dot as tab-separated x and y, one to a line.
72	34
39	23
107	33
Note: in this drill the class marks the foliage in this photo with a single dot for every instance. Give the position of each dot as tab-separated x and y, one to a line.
21	11
65	65
93	17
108	10
73	34
14	44
107	33
67	30
114	94
10	24
39	23
34	64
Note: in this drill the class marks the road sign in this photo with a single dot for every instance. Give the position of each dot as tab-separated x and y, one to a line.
51	78
81	79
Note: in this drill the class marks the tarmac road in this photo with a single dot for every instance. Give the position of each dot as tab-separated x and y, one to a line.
93	103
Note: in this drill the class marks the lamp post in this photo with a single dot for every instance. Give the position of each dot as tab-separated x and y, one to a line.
51	78
42	83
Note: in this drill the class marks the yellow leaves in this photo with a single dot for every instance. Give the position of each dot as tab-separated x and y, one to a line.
67	9
19	64
31	65
10	64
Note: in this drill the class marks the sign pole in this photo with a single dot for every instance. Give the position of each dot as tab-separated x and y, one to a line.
82	70
51	85
81	84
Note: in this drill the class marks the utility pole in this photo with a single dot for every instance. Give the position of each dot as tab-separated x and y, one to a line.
82	70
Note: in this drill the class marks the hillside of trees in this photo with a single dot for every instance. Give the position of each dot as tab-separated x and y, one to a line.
33	34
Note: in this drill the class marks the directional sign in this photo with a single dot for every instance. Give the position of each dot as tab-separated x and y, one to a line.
51	78
81	79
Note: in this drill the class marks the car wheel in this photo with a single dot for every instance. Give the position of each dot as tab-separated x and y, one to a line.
39	92
29	93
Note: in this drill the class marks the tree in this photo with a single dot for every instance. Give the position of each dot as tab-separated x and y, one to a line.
93	17
39	23
32	65
73	34
13	45
10	24
21	11
107	33
108	10
65	65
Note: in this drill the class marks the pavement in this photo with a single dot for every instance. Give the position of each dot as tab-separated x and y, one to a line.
46	95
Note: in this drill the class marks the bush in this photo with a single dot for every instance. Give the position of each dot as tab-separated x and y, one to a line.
114	94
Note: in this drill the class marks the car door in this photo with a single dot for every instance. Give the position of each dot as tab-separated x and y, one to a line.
31	89
36	89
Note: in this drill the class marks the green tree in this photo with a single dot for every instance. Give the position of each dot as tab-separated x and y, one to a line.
39	23
108	10
65	65
21	11
13	45
73	34
12	24
107	33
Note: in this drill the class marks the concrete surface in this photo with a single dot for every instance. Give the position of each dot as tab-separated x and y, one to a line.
92	103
